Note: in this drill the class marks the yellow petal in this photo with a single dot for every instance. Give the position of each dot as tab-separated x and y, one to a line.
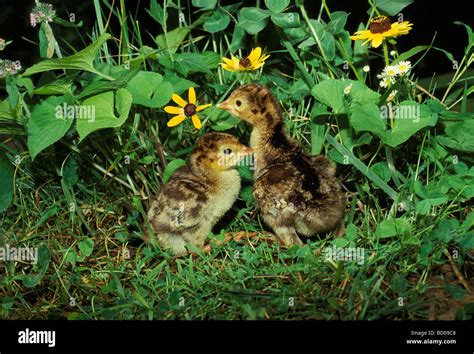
192	95
196	121
178	100
255	54
173	110
204	106
265	57
175	120
227	67
377	40
228	61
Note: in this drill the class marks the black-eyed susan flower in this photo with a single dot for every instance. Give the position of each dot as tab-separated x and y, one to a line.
381	28
185	109
255	60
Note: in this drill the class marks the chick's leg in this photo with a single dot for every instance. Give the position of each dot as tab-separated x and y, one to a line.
287	235
281	219
197	236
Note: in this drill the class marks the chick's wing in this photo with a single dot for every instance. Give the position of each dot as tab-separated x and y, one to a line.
179	206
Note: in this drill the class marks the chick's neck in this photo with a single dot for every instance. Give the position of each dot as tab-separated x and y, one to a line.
214	178
269	138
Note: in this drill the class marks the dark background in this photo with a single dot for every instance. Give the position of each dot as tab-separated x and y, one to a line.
428	17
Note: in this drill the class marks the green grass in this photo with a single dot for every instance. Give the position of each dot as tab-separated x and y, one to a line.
83	204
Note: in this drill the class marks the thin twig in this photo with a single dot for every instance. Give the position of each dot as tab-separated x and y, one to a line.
456	271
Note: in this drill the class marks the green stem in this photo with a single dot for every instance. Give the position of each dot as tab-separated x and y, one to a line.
385	53
306	76
362	167
316	38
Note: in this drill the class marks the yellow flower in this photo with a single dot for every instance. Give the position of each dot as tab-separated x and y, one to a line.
185	109
253	61
380	28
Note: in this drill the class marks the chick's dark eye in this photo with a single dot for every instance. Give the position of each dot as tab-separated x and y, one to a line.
238	103
228	151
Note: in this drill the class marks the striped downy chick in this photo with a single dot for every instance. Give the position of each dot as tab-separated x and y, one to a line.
296	194
198	194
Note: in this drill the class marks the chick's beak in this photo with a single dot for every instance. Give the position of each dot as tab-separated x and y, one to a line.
224	105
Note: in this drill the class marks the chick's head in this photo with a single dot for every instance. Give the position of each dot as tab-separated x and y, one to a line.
218	152
255	104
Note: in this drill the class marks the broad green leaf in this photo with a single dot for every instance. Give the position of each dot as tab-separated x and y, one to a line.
252	19
338	21
205	4
25	82
105	106
173	39
326	39
46	125
227	123
59	86
467	242
171	167
362	167
398	283
331	93
381	169
366	117
217	22
5	111
190	63
122	78
409	53
146	160
46	40
277	5
86	246
409	117
148	89
44	257
69	23
6	181
340	242
80	61
70	257
460	136
392	7
286	20
238	37
392	227
246	193
180	85
157	12
470	34
423	207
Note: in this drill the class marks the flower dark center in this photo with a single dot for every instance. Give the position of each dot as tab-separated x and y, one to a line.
245	62
380	24
190	109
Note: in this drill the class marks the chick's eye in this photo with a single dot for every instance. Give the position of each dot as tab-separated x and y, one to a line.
227	151
238	103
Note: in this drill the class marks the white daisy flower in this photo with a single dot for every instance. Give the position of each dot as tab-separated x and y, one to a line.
366	68
385	82
404	67
391	71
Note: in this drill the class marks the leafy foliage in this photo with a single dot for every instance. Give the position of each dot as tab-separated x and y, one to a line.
76	184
